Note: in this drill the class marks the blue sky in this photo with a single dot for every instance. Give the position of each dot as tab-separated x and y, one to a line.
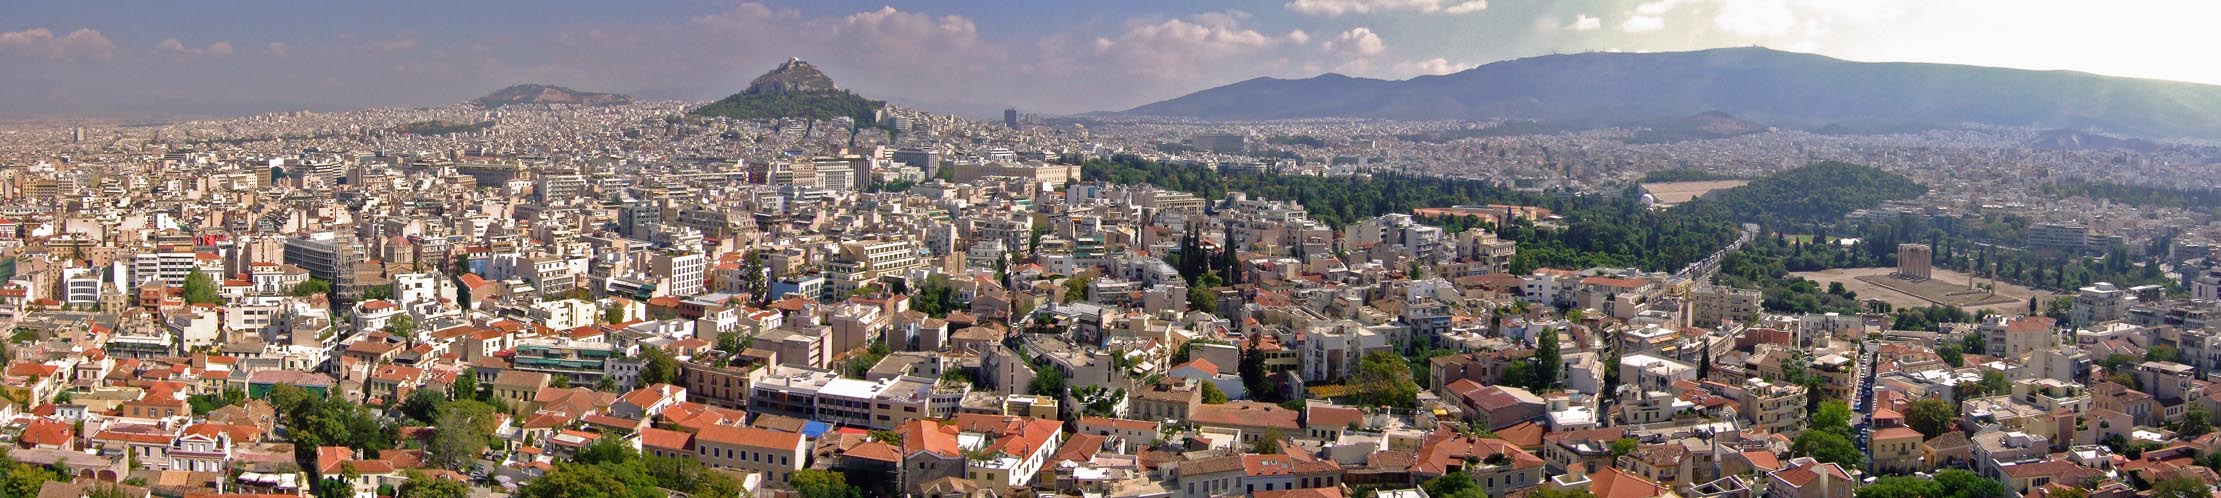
151	59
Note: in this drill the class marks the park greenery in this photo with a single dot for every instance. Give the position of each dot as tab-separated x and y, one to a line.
1816	193
1950	483
1384	379
823	105
1595	231
438	128
610	469
2139	195
1683	175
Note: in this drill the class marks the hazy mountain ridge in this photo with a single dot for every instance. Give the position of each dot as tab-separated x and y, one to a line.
534	93
1782	88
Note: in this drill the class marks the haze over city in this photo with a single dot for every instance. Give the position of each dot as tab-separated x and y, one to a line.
155	59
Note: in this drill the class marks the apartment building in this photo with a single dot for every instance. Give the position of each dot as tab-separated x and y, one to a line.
825	396
776	454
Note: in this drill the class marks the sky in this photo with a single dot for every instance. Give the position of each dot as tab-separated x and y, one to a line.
153	59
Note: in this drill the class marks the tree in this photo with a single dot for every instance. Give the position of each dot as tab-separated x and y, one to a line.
401	325
1901	487
814	483
2195	422
1201	299
462	296
24	480
459	437
1383	378
1252	369
1827	447
333	487
1834	416
1096	401
2161	353
1551	492
1931	417
1047	381
573	480
1454	485
1704	365
204	403
658	367
1267	443
1212	395
1548	362
732	342
199	289
1622	446
422	486
2182	485
613	314
422	405
465	387
936	297
1075	288
1951	355
886	436
310	288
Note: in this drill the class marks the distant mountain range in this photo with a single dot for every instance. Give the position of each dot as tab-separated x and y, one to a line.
795	89
547	94
1775	87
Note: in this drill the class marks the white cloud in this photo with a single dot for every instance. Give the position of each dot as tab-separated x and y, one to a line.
179	52
278	49
83	43
1756	18
1335	8
1649	16
1361	42
1466	7
746	15
1643	24
1584	22
1175	48
888	27
1436	65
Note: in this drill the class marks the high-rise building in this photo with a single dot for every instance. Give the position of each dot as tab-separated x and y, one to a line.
2099	303
2064	237
559	187
685	270
1223	143
1914	261
927	160
2207	286
328	257
1010	118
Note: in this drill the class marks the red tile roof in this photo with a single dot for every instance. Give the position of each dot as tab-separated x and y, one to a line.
749	437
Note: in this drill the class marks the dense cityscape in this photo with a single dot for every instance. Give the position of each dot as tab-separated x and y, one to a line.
799	291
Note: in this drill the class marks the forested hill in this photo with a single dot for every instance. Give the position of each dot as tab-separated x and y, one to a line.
1610	230
1816	193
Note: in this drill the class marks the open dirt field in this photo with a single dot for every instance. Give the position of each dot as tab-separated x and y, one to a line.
1680	192
1948	287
